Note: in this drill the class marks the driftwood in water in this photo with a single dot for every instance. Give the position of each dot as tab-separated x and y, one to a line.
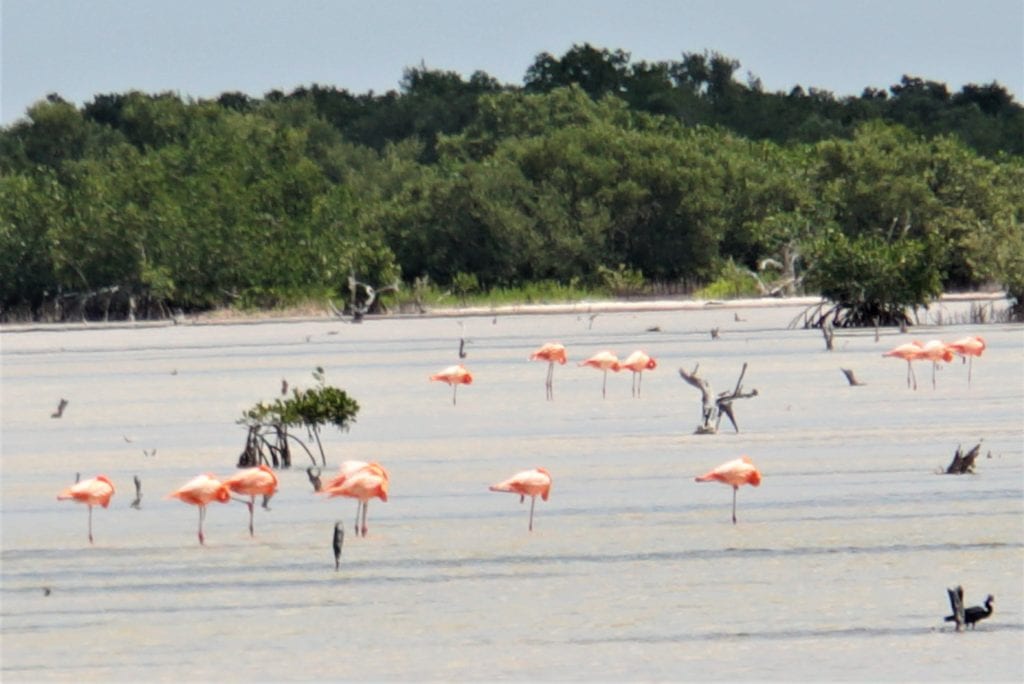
963	463
828	331
713	407
850	377
956	602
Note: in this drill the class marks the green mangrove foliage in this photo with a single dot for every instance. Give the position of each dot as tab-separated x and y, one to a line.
598	173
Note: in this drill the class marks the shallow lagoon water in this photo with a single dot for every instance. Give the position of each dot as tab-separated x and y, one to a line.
836	570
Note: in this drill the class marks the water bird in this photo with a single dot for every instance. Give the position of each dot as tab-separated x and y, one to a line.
551	352
935	351
967	348
201	491
95	491
909	352
252	482
454	375
369	482
346	470
337	540
975	613
603	361
137	503
531	483
638	362
739	471
60	409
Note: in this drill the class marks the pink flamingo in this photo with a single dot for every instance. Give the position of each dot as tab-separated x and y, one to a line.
603	361
531	483
935	351
95	491
251	482
638	362
968	348
454	376
200	491
364	484
739	471
350	468
909	352
550	352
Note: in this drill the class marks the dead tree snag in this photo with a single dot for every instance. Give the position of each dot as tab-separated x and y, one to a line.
713	407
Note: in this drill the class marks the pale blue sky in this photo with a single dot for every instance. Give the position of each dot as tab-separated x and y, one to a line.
201	48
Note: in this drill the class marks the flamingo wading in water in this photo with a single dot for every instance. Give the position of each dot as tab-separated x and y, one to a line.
95	491
366	483
603	361
454	376
935	351
346	470
550	352
252	482
638	362
200	491
968	348
909	352
531	483
739	471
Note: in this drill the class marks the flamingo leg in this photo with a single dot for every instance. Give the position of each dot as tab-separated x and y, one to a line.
970	362
90	524
202	514
252	502
533	501
359	507
455	388
734	490
910	369
934	366
366	505
550	379
604	386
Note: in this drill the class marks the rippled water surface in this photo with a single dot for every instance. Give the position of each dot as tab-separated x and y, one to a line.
837	569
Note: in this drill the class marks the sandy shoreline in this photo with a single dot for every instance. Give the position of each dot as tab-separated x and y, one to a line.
232	317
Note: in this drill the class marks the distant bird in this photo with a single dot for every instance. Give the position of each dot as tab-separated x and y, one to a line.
137	503
909	352
149	453
462	341
252	482
975	613
638	362
603	361
127	439
337	541
551	352
935	351
968	348
714	333
531	483
200	491
284	385
736	317
366	483
739	471
454	376
95	491
60	409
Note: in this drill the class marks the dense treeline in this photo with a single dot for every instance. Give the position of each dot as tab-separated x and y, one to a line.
595	170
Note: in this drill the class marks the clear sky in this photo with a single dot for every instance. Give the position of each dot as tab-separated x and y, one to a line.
202	48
